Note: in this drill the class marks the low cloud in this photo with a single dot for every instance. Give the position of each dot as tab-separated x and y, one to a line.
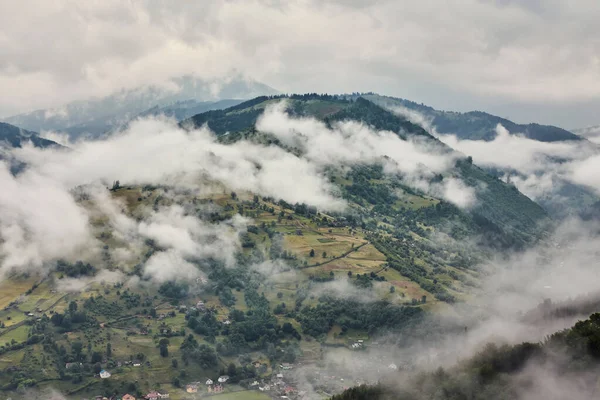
39	221
538	169
169	265
74	285
516	152
349	143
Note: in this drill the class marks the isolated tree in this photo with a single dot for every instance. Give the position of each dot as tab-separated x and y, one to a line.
392	289
76	348
116	185
331	274
96	357
164	351
108	350
231	370
324	254
349	273
424	299
312	253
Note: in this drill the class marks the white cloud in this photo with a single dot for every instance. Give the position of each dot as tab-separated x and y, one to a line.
193	238
517	152
156	151
42	222
169	265
349	143
39	221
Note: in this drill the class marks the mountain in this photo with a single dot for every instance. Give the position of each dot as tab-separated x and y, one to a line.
185	109
500	208
96	116
562	200
14	137
476	125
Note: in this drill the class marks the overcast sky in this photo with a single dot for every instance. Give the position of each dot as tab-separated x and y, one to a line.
530	60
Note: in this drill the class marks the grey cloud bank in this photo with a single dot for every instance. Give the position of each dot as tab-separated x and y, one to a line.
504	56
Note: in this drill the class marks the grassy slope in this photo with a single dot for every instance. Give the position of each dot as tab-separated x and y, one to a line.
338	243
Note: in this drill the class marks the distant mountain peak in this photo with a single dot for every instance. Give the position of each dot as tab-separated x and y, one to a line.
98	115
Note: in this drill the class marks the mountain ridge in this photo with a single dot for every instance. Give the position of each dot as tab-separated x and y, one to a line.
477	125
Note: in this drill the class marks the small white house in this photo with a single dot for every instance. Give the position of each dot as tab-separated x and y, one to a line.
393	366
223	379
209	382
255	383
104	374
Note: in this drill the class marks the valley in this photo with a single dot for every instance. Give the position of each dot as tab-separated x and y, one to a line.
193	277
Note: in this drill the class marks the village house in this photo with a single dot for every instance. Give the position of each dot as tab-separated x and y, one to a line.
154	395
255	383
127	397
104	374
200	306
223	379
285	366
289	390
71	365
192	387
215	389
209	382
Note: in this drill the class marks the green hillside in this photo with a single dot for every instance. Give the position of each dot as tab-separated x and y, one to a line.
304	282
514	218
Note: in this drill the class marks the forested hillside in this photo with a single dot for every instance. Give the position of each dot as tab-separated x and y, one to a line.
476	125
507	372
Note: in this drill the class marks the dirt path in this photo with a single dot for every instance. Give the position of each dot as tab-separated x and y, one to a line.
343	255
